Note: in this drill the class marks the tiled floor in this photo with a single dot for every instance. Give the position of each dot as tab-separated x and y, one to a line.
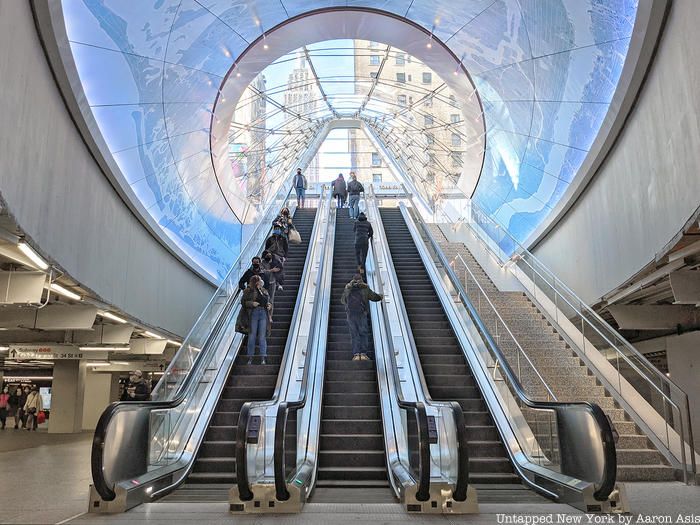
47	482
45	477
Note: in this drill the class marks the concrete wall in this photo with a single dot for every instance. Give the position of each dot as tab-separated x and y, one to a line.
683	354
650	184
56	192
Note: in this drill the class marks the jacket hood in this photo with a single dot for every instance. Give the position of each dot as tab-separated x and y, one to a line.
362	217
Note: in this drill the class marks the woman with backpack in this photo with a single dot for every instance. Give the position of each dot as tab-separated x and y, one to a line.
254	318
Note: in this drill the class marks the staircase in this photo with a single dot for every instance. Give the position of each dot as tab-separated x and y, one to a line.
567	376
215	466
352	441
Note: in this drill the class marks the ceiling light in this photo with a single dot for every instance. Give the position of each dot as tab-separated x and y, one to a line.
171	342
105	348
238	73
265	46
101	363
120	363
429	44
109	315
32	255
4	348
148	333
60	290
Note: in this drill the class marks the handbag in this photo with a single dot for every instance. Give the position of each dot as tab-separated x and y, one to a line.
294	237
41	417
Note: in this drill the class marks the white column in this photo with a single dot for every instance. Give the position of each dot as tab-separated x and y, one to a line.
67	391
98	389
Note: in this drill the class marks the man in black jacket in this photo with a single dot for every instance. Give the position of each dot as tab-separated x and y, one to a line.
354	190
255	269
363	233
356	298
137	389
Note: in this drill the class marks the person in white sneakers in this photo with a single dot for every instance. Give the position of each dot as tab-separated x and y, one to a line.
356	298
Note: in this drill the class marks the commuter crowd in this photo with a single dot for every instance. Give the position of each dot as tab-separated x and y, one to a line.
265	276
24	405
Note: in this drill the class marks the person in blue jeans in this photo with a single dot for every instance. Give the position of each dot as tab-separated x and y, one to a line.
256	312
354	190
300	187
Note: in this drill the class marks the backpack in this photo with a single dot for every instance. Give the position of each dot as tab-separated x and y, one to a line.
276	247
356	303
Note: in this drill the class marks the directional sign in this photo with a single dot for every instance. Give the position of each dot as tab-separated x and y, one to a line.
51	352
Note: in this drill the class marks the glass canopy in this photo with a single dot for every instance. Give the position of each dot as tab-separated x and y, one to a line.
545	72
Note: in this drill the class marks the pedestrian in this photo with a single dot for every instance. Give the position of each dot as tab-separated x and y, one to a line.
340	190
254	318
32	407
273	267
16	405
356	297
277	243
300	187
354	190
255	269
4	406
363	233
137	389
17	401
23	412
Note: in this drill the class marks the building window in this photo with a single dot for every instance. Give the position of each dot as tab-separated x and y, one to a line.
456	139
427	78
400	59
410	78
453	100
431	159
454	118
401	100
376	160
428	101
377	178
430	138
427	120
401	77
373	74
374	60
410	100
456	158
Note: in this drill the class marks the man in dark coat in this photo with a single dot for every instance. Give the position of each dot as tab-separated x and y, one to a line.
255	269
363	233
355	187
356	297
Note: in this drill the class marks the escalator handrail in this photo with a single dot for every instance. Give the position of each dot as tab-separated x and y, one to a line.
284	408
459	492
607	484
244	491
97	457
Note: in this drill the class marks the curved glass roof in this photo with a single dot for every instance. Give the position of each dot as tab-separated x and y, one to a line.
545	73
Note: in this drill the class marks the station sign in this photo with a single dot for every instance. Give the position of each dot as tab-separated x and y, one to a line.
51	352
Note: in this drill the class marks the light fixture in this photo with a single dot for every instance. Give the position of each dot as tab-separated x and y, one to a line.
121	363
4	348
60	290
100	363
238	73
148	333
171	342
105	348
32	255
109	315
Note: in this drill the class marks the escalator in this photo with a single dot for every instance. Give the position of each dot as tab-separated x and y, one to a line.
351	439
447	374
215	466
